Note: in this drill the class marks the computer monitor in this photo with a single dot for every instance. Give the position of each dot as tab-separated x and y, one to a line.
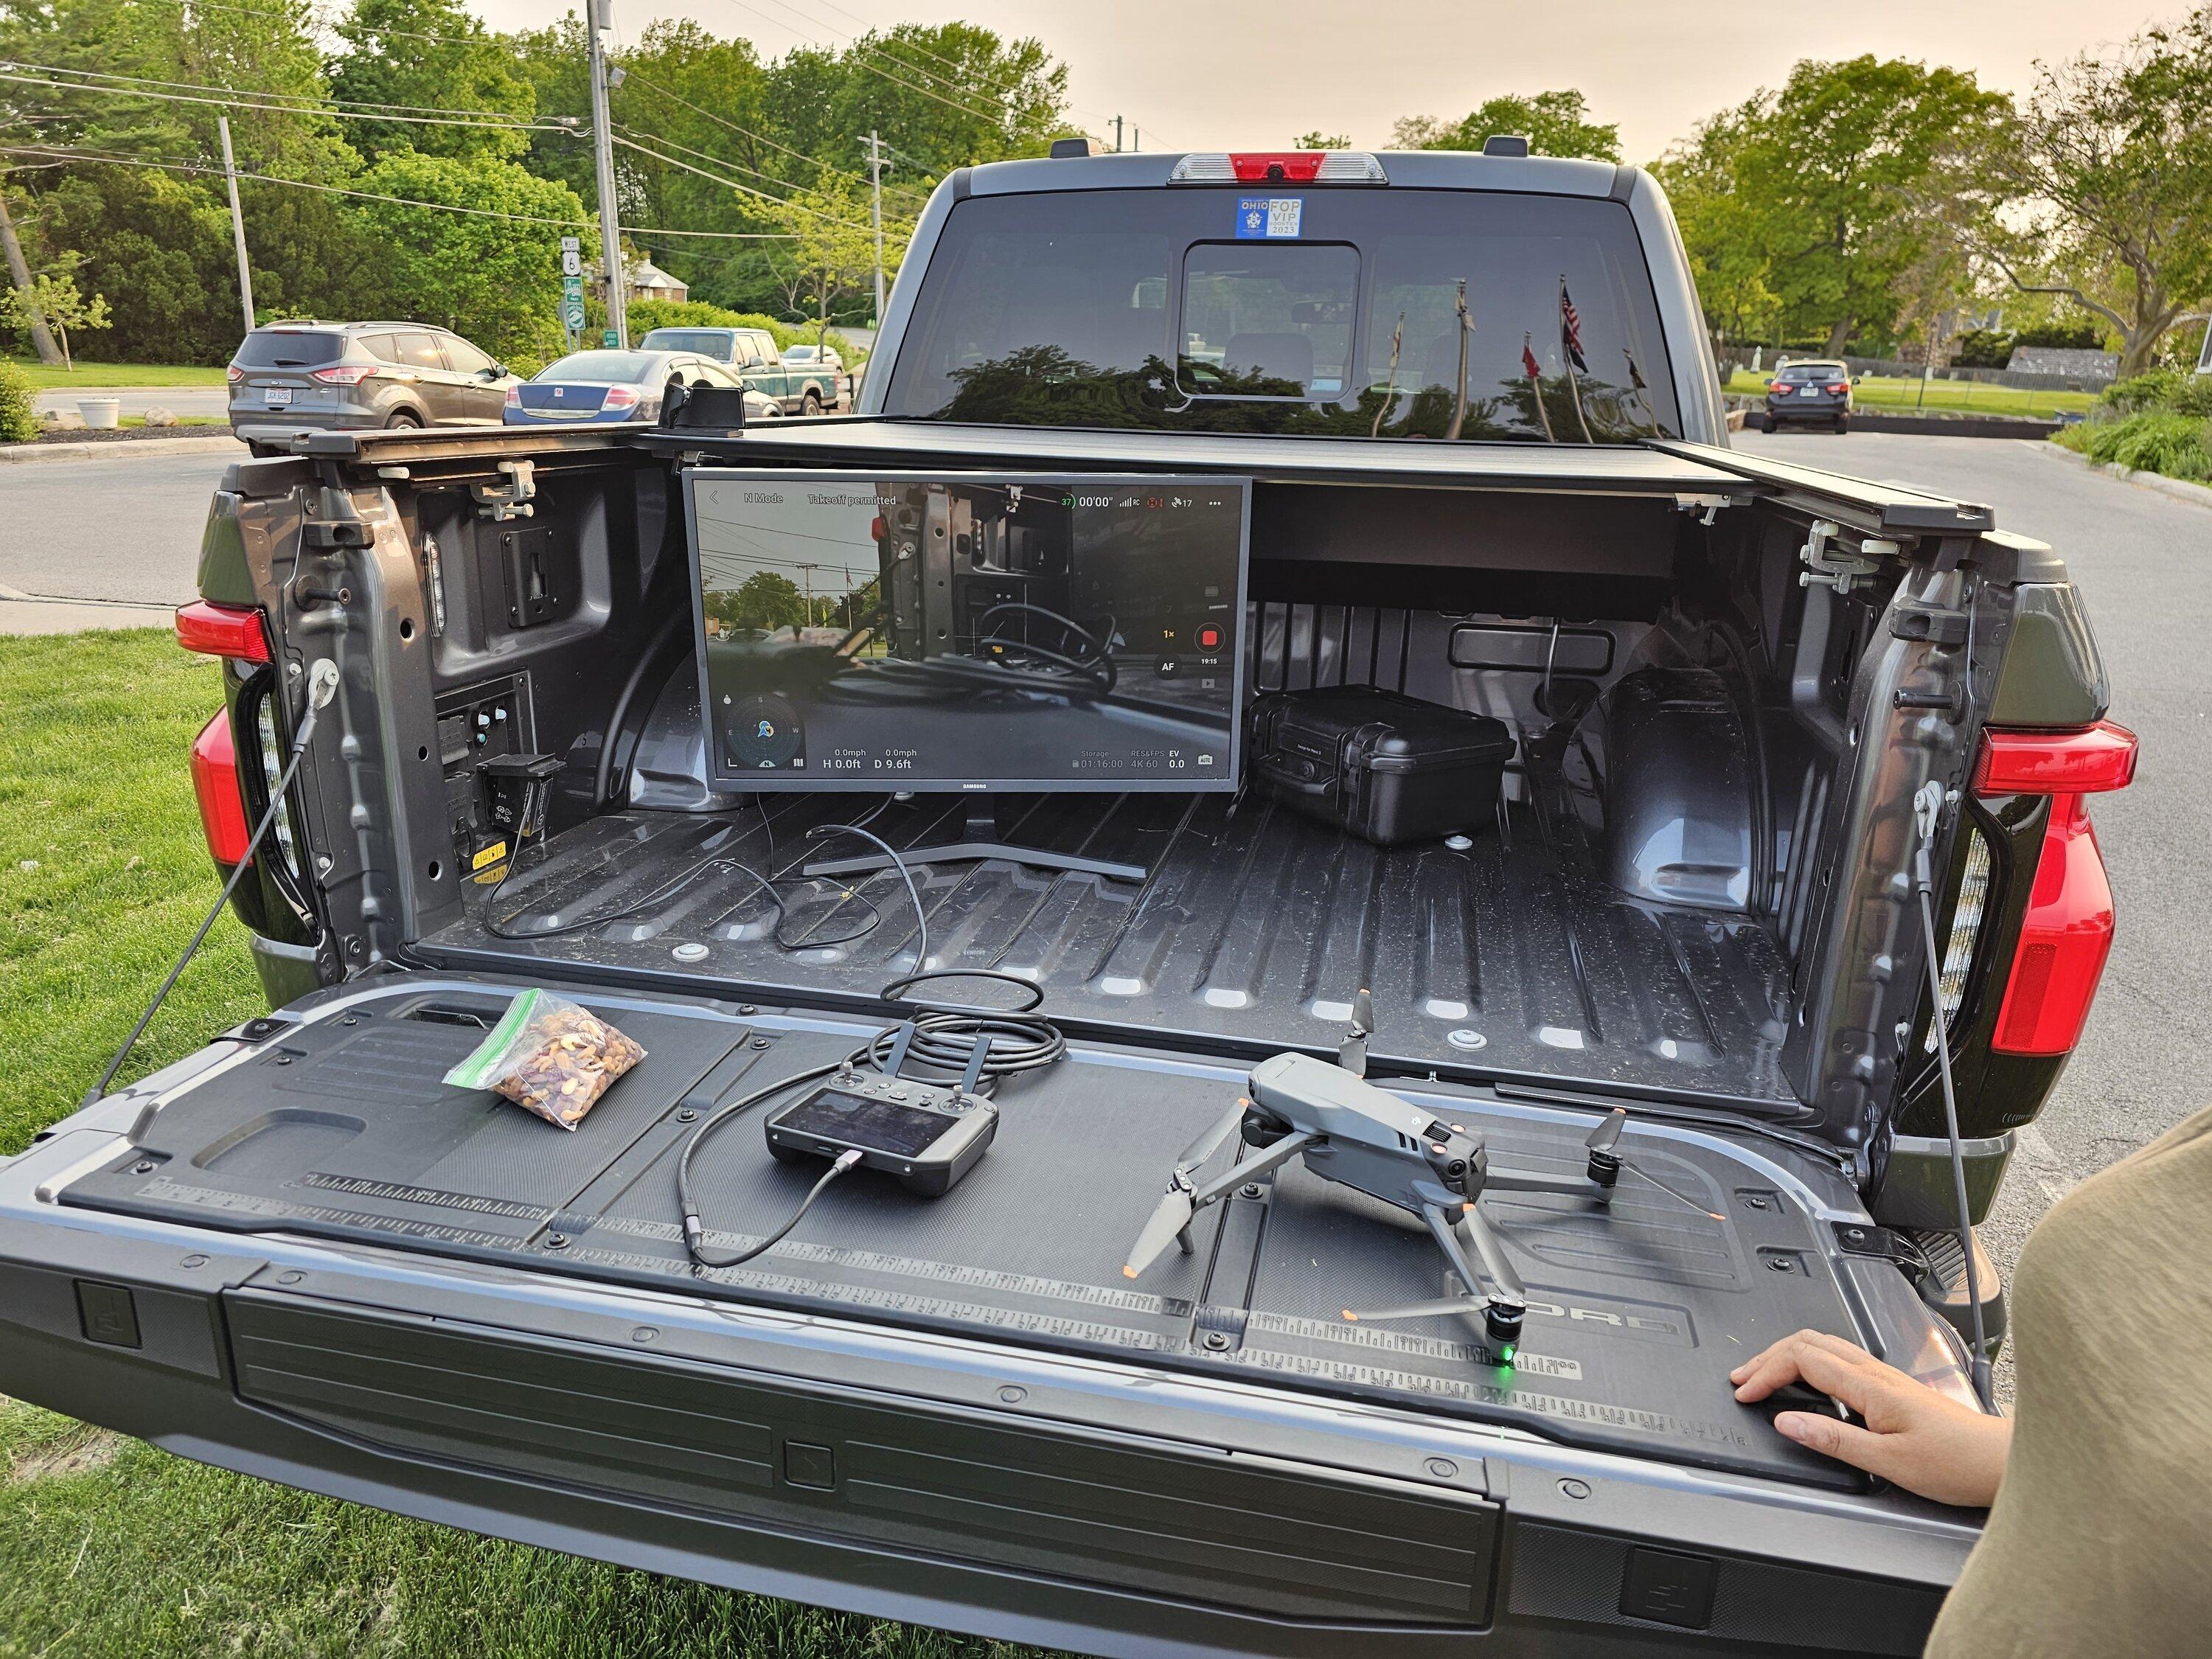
968	632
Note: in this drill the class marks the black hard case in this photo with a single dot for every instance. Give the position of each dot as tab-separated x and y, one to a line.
1386	767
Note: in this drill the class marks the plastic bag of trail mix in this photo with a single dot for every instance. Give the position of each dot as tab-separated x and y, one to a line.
548	1056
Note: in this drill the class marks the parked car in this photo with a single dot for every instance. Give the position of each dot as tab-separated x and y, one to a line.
611	387
1810	393
800	389
341	376
826	360
299	1252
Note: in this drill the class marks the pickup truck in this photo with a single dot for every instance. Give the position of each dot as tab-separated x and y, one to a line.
801	388
1489	468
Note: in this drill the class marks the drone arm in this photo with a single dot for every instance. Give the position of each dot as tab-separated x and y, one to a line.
1267	1158
1441	1229
1517	1181
1486	1246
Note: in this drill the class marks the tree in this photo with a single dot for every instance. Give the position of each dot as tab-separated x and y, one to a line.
54	295
1317	140
831	253
1728	255
496	279
764	600
430	55
2097	189
1819	196
1554	122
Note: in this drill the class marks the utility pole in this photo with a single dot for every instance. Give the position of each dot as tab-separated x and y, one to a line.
876	213
237	223
19	272
1117	134
597	21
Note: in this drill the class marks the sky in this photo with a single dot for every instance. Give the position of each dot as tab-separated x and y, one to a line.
1255	74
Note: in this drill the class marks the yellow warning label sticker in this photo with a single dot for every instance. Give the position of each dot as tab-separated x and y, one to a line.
491	855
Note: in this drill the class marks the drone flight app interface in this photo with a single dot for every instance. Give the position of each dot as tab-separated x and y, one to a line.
951	631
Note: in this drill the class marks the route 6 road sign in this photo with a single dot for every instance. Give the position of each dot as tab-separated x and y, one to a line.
572	264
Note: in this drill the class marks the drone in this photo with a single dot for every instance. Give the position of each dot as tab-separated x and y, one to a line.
1350	1131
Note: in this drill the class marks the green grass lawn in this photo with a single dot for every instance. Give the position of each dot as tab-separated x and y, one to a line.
43	379
108	1547
1907	394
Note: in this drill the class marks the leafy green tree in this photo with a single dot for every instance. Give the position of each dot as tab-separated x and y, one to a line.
1554	122
54	295
1318	140
831	253
496	281
432	55
1728	253
764	601
2098	188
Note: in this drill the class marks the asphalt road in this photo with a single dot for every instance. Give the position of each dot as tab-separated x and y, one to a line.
128	529
125	529
136	400
2144	564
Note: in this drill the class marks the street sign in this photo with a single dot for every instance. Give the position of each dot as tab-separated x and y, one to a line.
609	338
572	262
572	303
570	244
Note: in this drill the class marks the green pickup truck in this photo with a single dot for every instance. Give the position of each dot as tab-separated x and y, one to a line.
809	388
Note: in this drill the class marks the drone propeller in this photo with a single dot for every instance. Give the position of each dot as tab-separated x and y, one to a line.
1605	1163
1178	1208
1352	1053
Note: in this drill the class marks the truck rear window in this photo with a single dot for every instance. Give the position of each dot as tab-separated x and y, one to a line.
1146	308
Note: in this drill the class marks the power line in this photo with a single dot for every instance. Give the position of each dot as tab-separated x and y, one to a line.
662	138
54	152
727	183
316	101
630	75
236	99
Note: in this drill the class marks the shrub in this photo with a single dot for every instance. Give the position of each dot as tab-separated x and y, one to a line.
2149	391
2153	443
19	419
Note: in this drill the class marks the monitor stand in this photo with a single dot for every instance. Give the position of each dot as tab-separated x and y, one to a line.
981	836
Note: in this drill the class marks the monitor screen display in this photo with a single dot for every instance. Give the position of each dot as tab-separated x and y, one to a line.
956	631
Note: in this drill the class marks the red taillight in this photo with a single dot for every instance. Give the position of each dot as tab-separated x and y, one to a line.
2063	942
236	373
223	630
515	397
620	397
2085	761
2066	933
1837	387
343	373
214	780
1777	385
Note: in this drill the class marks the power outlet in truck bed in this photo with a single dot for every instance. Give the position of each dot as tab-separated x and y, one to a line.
477	725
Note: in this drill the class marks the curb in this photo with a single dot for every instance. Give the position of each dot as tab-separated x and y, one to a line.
21	454
2180	488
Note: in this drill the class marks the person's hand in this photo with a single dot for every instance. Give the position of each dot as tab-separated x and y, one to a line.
1914	1437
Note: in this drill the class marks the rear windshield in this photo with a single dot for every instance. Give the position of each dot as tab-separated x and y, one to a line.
1815	372
288	348
707	342
1388	313
601	368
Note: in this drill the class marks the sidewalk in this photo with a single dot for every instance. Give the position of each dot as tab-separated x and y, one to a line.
27	613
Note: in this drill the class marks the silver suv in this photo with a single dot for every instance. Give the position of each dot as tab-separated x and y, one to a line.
327	376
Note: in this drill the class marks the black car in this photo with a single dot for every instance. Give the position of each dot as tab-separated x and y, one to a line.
1813	393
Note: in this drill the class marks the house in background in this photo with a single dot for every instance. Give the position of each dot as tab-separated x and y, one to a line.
644	280
2075	364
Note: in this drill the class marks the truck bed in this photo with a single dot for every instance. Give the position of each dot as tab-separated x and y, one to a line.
1511	959
339	1127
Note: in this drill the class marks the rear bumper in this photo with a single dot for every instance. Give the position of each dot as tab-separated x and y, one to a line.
1025	1496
